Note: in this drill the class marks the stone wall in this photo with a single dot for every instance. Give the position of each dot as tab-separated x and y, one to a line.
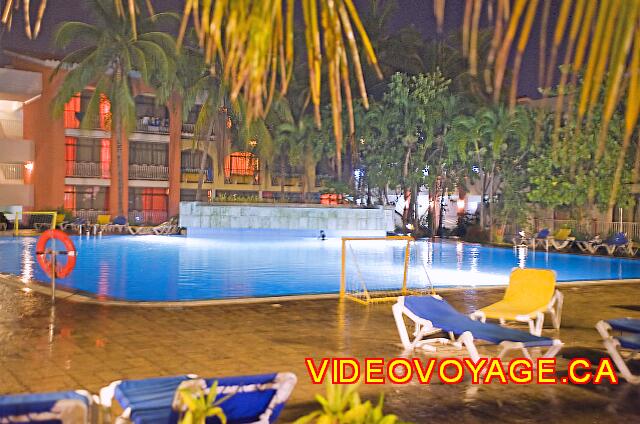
200	218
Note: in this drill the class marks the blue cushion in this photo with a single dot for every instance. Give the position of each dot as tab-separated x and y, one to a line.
16	405
625	324
630	342
150	400
119	220
442	315
543	234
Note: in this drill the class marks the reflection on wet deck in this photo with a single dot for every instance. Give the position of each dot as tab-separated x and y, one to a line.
87	346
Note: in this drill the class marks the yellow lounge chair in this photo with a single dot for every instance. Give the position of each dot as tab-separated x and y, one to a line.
103	220
561	239
531	293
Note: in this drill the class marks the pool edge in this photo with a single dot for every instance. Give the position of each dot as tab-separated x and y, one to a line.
82	297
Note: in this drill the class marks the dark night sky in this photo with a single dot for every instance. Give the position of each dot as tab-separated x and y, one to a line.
418	13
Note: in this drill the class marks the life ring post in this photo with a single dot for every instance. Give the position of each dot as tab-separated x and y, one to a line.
48	258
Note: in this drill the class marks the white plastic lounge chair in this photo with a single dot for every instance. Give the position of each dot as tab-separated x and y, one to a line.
166	228
540	239
589	246
531	293
614	344
256	399
630	249
432	314
618	241
64	407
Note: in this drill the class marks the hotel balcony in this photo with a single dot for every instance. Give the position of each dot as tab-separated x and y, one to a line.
150	126
13	190
10	129
190	175
87	170
148	172
290	180
90	215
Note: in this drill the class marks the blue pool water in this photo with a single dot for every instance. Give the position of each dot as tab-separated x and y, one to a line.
250	264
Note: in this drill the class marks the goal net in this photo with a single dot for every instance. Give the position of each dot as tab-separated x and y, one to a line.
379	269
29	223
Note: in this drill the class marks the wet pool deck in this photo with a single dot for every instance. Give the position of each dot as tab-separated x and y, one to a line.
90	345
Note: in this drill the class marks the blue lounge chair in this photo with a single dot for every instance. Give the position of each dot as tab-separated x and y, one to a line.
60	407
613	344
618	241
432	314
541	239
255	399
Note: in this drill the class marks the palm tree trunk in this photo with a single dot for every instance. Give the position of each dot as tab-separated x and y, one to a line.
282	165
203	160
118	130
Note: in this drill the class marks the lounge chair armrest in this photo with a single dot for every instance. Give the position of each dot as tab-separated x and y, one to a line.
107	393
478	316
604	328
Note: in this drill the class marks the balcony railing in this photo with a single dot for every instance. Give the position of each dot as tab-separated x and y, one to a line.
10	128
150	127
321	179
86	169
11	172
189	131
148	172
289	179
90	215
192	175
147	217
242	179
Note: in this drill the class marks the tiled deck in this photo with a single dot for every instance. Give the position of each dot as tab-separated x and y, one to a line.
91	345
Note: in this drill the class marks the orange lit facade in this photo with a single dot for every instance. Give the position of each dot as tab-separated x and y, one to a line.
76	167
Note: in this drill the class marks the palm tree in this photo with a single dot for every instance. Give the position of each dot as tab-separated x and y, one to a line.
190	77
486	140
109	55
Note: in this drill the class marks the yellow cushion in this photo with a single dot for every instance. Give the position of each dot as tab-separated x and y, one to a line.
103	219
562	234
530	291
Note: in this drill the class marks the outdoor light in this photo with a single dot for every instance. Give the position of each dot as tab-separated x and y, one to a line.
460	204
476	169
253	142
28	166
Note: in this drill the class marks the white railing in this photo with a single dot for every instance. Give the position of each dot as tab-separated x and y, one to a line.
146	127
191	175
90	215
11	172
148	172
189	131
147	217
10	128
85	169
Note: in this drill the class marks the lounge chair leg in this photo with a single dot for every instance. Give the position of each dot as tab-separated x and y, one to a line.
612	346
466	339
539	323
556	309
478	316
402	328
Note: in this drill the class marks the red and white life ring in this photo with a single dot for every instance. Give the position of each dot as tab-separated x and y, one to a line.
44	256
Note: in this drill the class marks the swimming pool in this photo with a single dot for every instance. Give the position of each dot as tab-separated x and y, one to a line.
235	264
